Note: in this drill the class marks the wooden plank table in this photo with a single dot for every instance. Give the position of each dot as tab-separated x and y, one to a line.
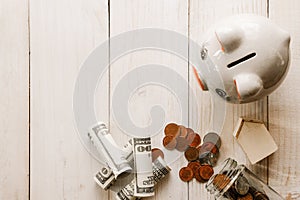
44	43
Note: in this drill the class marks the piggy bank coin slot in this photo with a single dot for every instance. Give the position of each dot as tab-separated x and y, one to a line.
243	59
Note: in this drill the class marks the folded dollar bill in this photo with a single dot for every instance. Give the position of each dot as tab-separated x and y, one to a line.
160	170
143	175
105	145
106	177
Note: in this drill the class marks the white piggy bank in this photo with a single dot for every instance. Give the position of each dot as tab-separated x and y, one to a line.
250	54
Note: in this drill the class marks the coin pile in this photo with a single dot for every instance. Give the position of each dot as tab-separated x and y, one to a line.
241	189
180	138
201	158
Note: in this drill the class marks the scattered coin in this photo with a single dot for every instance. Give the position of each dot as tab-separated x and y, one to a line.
205	172
190	137
191	154
196	141
197	176
213	138
182	144
194	165
186	174
169	142
208	158
172	129
156	152
209	146
189	130
182	132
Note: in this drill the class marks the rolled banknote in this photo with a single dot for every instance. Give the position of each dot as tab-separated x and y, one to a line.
143	175
105	177
105	145
160	170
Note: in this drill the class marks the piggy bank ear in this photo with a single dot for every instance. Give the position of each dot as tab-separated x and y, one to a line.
247	85
229	37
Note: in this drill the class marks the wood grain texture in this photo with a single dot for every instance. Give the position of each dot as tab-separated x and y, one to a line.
166	14
63	33
284	105
14	100
202	15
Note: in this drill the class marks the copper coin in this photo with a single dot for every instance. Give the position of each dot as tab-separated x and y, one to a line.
246	197
197	176
221	181
186	174
213	138
194	165
199	148
182	132
205	172
182	144
209	146
172	129
196	141
191	154
156	152
169	142
190	137
189	130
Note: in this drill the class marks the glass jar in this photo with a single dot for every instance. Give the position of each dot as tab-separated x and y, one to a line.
237	182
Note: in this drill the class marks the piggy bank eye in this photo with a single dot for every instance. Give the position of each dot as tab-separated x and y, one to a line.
243	59
203	53
221	92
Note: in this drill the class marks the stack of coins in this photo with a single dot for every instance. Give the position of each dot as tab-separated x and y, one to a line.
201	158
180	138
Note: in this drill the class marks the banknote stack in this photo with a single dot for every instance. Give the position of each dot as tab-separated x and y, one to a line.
137	157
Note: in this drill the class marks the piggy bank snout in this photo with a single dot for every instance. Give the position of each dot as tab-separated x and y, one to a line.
247	85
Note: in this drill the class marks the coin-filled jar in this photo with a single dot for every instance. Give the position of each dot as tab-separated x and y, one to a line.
237	182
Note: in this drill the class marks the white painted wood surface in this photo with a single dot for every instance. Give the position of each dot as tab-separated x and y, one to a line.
284	105
62	34
14	100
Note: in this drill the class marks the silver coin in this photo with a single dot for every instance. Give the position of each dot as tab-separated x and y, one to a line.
213	138
241	185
